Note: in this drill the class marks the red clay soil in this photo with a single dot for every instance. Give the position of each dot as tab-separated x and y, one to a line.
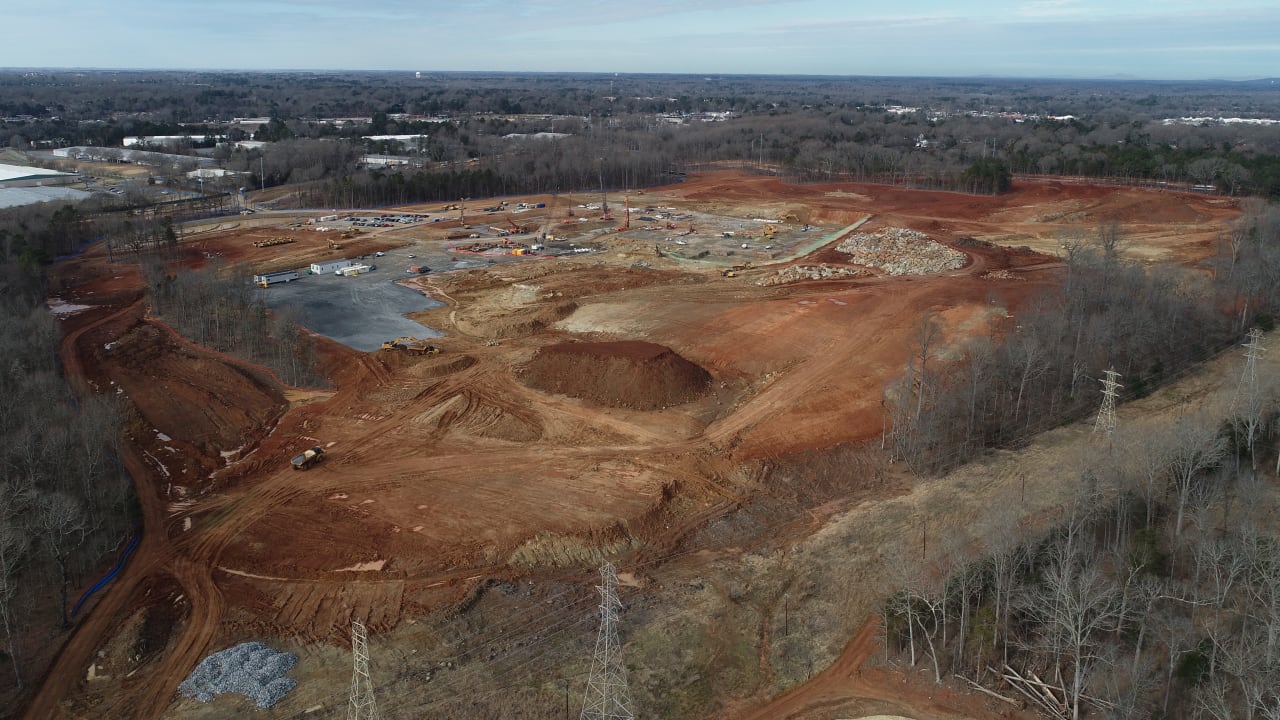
439	468
850	686
624	374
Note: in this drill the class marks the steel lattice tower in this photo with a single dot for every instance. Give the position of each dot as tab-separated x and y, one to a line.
1106	422
1249	377
608	697
362	705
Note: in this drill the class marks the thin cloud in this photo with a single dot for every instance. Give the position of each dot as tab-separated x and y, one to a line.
1051	9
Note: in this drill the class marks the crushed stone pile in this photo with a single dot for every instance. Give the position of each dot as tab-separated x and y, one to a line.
1001	275
900	251
251	669
796	273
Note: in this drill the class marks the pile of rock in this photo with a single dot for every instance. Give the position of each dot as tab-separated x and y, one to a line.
1001	275
900	251
796	273
251	669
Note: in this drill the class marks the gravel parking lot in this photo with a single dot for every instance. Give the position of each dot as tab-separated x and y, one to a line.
360	312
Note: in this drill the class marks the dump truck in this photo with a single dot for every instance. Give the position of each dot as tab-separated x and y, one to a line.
411	345
308	458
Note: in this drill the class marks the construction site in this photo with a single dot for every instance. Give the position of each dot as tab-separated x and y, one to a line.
523	388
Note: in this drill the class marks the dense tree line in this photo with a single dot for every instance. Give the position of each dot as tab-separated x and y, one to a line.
1043	366
930	133
218	307
195	97
68	505
1157	595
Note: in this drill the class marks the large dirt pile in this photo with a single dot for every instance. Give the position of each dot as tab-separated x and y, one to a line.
628	373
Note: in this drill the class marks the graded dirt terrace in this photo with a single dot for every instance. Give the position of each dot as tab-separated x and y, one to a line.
621	400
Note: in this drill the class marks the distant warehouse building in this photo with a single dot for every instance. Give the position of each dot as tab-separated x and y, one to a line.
329	266
29	185
16	176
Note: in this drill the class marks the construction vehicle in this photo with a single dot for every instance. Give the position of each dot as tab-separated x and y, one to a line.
729	273
335	245
411	345
544	233
790	217
308	458
272	242
769	230
515	228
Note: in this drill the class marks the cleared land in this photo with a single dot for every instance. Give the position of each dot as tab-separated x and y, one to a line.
631	398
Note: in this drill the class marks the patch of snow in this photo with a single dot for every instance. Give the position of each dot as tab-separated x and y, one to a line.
364	567
163	437
163	469
61	308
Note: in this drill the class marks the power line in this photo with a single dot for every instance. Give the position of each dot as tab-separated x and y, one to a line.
608	697
362	705
1106	422
557	615
1249	376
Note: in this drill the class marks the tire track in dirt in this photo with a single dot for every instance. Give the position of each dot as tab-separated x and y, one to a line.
65	671
836	680
156	555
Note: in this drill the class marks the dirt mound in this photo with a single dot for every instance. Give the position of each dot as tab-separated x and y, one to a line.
627	373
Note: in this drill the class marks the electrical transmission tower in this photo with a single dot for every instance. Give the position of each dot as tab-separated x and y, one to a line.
362	705
1106	422
1249	377
607	695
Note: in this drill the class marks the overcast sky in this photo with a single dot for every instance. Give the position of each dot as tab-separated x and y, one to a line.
1164	39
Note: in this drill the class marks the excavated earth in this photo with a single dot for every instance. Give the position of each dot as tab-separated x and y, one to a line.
622	401
623	374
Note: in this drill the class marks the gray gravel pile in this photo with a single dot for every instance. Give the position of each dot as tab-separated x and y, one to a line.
796	273
251	669
899	251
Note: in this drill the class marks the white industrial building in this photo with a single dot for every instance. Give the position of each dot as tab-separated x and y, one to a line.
30	185
168	140
16	176
329	266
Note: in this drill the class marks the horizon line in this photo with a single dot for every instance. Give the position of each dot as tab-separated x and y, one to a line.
620	73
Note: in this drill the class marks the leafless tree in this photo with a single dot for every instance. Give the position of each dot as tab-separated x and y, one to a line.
1197	447
60	521
1076	604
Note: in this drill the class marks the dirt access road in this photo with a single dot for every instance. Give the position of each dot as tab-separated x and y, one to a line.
445	472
